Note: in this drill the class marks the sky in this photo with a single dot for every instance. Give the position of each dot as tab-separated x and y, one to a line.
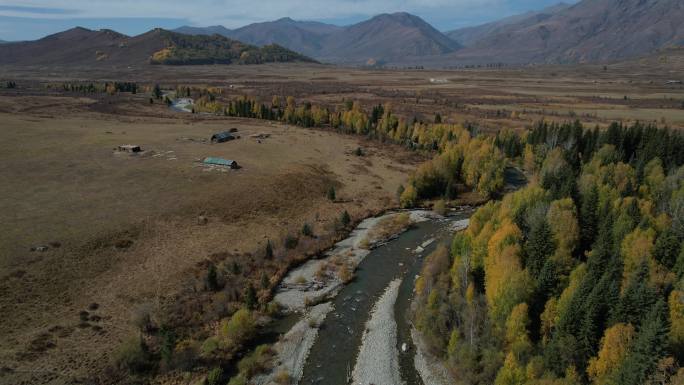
33	19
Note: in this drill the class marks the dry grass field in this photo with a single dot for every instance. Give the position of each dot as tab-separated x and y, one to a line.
123	229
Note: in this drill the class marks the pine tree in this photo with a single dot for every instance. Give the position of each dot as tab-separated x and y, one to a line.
332	194
156	92
250	297
539	246
649	346
269	250
345	219
588	219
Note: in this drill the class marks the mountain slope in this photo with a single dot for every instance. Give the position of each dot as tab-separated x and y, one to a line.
386	38
80	46
302	36
69	47
469	35
590	31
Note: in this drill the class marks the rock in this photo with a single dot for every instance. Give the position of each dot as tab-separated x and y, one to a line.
202	220
404	347
40	249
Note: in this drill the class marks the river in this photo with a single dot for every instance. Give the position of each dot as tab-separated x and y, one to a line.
333	355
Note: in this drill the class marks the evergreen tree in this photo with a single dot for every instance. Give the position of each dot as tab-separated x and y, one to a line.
156	92
345	219
251	297
331	193
269	250
539	246
648	348
588	219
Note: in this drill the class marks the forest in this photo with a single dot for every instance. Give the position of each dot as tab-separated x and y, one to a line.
577	277
202	49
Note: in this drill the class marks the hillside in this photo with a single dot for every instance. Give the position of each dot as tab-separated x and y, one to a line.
470	35
216	49
590	31
80	46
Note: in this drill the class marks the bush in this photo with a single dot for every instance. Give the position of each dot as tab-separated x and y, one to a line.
307	231
238	380
212	278
440	207
283	378
331	193
214	376
133	356
291	242
345	273
256	362
209	346
239	328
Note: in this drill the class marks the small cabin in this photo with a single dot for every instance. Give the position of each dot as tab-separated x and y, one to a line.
132	148
220	162
222	137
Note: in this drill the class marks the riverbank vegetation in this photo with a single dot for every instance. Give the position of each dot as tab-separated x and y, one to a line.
576	278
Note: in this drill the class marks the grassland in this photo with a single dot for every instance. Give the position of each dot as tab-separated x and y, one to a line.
127	225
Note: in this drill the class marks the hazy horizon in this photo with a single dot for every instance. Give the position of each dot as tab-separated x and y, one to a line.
19	21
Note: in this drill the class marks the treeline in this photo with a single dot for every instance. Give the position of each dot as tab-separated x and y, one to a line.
92	88
462	158
575	279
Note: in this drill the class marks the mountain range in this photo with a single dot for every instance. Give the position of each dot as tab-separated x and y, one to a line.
81	46
588	31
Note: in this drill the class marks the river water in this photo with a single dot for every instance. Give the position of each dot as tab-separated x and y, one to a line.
334	353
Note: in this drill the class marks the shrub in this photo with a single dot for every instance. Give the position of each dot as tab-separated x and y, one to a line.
291	242
306	230
283	378
214	376
212	278
331	193
239	328
440	207
345	273
358	151
209	346
133	356
256	362
409	197
142	317
238	380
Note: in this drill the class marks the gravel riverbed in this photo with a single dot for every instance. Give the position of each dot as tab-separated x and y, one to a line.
378	359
